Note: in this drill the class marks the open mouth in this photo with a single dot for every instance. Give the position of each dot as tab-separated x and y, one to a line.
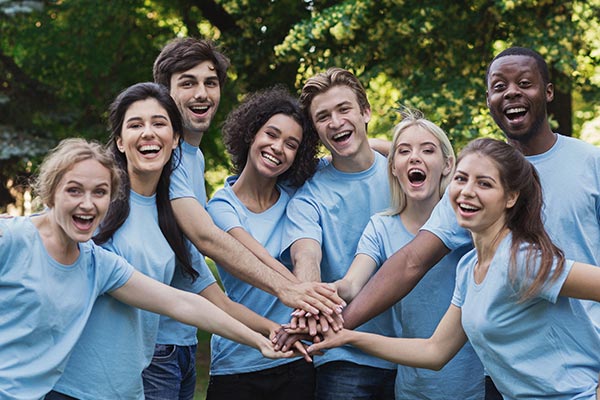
149	149
515	113
199	109
468	208
340	137
83	222
270	158
416	176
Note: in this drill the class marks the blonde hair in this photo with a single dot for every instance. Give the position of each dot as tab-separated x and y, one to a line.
63	157
410	118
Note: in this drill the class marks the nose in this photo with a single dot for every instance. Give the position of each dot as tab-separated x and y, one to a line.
335	121
200	93
512	91
148	131
86	202
467	189
415	157
276	146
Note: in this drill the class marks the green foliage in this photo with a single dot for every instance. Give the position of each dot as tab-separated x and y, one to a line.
63	61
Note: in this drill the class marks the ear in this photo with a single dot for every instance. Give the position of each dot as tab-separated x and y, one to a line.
511	199
367	115
175	140
549	92
448	167
119	143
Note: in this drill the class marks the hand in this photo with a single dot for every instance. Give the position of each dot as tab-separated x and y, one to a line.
313	297
298	346
267	349
330	340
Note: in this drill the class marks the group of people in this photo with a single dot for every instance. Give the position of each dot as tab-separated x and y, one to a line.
317	256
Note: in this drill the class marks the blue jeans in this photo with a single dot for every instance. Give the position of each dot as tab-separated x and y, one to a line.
172	373
341	380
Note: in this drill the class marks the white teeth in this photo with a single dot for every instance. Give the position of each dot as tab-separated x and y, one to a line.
468	207
149	147
85	217
341	134
515	110
199	109
271	158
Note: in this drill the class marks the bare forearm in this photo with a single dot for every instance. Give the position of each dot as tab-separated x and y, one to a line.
418	353
248	317
395	279
306	258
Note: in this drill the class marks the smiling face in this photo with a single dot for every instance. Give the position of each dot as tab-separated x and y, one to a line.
517	97
81	200
419	164
197	93
478	195
341	125
275	145
147	139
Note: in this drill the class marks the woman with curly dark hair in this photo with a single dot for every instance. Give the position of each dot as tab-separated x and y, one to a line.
273	151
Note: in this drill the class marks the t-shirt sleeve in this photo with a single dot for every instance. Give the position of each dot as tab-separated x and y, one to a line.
370	243
113	270
181	183
223	213
205	276
5	243
442	223
460	286
551	289
302	221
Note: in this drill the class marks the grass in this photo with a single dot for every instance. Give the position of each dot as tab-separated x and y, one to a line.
202	365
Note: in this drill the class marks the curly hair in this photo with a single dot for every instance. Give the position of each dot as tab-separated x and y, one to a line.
243	123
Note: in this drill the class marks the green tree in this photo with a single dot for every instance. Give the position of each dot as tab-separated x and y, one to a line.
63	61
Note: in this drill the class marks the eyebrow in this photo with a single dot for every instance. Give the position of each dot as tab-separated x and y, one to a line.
136	118
193	77
458	171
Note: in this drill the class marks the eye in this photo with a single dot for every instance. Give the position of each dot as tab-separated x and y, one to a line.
292	145
73	190
498	87
345	109
321	117
100	192
212	83
134	125
459	178
524	84
485	184
186	84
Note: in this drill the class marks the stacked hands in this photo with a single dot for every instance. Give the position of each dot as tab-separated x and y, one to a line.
317	321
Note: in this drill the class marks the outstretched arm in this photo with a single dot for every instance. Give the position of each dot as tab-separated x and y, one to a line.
146	293
433	353
583	282
356	277
395	279
240	262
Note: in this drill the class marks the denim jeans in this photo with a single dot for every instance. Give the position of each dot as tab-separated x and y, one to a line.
291	381
172	373
341	380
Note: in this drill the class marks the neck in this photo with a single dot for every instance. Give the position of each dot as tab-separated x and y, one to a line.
361	161
257	193
144	185
416	213
193	138
59	246
486	244
537	143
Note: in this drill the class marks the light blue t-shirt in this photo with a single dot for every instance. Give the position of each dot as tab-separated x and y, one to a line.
544	347
333	208
418	315
45	306
118	340
570	177
187	180
228	212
